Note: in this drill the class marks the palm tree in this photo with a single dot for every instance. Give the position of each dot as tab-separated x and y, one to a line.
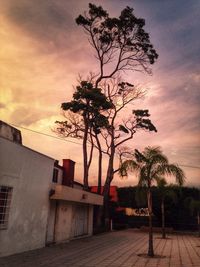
164	191
149	166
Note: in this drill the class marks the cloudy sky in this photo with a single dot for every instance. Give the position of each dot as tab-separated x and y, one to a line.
42	51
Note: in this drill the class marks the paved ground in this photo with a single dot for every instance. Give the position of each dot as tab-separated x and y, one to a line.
113	249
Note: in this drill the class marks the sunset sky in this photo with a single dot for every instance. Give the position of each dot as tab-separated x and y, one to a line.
42	51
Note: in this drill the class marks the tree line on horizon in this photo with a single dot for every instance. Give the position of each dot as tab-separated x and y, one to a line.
180	213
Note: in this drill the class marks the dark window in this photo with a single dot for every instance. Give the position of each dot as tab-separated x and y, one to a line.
5	200
55	175
15	139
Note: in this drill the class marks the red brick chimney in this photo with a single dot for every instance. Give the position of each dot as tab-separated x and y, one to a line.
68	172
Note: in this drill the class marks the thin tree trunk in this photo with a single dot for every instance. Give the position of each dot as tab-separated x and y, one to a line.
163	219
150	249
85	158
106	212
99	172
91	152
110	174
99	216
99	165
106	191
100	209
198	218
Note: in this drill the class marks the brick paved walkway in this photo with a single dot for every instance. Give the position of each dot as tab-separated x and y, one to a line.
116	249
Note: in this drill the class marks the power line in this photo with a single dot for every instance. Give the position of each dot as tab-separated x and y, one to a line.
73	142
37	132
190	166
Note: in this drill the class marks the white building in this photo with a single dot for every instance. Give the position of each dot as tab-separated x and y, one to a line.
39	201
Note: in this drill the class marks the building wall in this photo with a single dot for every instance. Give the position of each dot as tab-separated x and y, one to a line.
78	186
10	132
63	221
75	195
90	218
51	223
72	220
30	175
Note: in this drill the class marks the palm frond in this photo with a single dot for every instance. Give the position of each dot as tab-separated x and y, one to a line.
161	181
151	165
150	152
126	166
171	170
159	159
139	156
176	171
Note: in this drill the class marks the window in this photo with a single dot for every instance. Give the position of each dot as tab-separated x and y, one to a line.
15	137
55	175
5	200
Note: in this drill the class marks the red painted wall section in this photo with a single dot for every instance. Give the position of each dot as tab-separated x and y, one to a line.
68	172
113	192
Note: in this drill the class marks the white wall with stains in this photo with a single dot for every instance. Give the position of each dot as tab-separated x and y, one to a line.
29	173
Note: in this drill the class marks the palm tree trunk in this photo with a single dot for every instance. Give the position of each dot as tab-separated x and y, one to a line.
150	249
163	219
